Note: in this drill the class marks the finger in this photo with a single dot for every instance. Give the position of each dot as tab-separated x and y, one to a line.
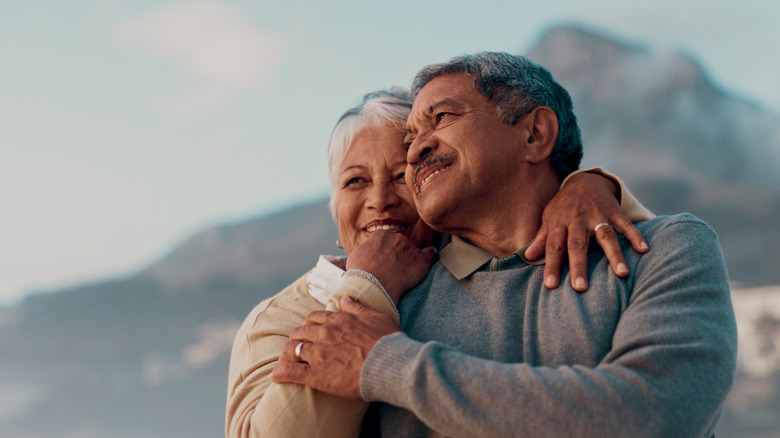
536	249
350	306
578	240
296	372
306	333
607	238
554	252
626	228
288	352
318	317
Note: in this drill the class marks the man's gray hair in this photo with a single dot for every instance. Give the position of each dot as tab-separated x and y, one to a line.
378	109
517	85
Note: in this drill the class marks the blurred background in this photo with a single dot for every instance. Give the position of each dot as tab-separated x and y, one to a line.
162	170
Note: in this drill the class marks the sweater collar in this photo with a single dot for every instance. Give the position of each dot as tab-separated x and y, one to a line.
462	259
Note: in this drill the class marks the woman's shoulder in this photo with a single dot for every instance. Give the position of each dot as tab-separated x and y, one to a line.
288	308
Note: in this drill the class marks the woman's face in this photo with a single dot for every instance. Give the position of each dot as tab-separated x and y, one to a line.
371	193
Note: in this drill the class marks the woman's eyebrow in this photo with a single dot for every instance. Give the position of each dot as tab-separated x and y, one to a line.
352	167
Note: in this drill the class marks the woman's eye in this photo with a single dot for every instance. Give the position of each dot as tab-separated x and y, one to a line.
353	181
440	116
401	176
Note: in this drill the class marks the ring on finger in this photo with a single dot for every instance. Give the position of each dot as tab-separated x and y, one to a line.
603	224
298	349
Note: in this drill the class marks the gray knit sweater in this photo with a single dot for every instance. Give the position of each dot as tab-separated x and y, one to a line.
497	354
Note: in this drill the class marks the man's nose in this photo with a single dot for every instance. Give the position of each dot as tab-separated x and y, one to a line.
420	148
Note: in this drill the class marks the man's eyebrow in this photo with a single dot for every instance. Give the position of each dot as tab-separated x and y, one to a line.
446	104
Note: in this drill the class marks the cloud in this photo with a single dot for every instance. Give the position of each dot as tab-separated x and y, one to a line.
224	52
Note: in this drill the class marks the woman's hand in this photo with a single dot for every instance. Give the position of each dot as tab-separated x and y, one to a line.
394	260
571	217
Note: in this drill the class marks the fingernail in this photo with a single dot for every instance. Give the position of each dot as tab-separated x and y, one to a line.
550	281
622	269
642	245
580	283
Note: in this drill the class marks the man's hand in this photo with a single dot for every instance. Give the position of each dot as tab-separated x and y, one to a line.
393	260
569	220
336	344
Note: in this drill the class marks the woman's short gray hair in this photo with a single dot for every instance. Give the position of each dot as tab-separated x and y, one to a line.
517	85
378	109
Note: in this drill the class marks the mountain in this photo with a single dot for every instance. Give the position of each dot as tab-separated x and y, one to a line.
678	140
146	355
661	110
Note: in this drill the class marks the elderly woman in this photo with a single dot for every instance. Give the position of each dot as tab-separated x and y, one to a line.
368	195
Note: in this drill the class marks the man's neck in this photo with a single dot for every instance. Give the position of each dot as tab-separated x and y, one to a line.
501	237
509	224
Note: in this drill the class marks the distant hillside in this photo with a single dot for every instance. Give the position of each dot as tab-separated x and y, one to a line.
146	355
657	115
680	142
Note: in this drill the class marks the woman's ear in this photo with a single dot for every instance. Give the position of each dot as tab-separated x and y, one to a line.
541	133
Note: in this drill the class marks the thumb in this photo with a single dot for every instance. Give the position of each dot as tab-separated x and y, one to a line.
290	373
430	253
350	306
536	249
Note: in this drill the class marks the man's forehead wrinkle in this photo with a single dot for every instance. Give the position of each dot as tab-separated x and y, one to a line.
447	103
410	123
409	127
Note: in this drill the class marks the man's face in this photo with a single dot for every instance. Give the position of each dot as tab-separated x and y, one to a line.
460	154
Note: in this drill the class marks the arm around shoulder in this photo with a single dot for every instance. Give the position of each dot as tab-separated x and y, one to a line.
629	205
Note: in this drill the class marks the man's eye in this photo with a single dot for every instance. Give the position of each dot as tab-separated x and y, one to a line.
440	116
408	143
401	176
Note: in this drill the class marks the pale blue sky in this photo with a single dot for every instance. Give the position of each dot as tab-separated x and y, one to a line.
127	125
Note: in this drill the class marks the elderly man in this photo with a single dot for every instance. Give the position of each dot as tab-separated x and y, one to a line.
486	349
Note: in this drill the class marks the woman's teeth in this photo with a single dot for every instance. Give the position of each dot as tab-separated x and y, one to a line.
373	228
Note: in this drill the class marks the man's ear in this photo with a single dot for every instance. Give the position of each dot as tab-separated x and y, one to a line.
541	133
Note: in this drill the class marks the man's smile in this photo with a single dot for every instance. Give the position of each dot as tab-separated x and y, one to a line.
425	171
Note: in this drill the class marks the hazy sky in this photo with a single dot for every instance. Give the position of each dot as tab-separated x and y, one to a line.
128	125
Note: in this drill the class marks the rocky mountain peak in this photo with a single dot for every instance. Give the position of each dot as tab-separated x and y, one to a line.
659	113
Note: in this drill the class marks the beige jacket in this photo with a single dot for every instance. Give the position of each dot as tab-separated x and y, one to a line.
256	407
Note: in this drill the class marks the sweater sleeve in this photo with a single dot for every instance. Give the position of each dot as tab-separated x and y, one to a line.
629	205
257	407
670	368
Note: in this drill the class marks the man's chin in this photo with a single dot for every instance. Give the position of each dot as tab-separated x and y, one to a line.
434	214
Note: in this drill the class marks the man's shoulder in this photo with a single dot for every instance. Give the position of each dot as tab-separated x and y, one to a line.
684	223
681	235
679	240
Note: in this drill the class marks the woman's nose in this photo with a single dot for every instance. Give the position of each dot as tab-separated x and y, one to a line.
383	197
